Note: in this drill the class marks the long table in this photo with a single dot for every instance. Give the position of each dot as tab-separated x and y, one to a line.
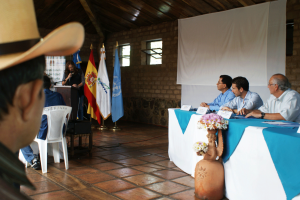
249	173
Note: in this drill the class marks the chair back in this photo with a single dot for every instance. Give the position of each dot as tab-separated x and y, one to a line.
57	117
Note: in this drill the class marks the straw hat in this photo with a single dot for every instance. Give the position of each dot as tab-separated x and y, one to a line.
20	39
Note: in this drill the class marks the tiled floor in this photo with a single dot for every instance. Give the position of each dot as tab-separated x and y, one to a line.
133	171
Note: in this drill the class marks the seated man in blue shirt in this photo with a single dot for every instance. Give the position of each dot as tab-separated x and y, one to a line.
244	98
51	99
223	85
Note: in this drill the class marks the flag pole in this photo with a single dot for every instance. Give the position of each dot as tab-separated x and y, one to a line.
102	127
92	126
116	128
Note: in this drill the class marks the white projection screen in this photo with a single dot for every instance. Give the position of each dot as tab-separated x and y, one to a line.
248	41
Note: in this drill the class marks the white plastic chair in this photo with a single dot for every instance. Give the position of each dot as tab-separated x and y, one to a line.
57	116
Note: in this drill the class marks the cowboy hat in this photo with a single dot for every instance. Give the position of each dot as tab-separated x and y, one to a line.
20	39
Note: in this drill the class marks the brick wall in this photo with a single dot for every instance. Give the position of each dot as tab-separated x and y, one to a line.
293	62
148	90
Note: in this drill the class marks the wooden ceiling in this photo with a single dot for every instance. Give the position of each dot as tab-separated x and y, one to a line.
106	16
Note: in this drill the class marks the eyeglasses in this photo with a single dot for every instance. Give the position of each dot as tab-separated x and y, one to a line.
271	84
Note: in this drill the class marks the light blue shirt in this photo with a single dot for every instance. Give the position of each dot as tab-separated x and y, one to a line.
221	100
252	101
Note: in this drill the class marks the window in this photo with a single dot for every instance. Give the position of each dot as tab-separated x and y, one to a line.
124	55
153	52
289	37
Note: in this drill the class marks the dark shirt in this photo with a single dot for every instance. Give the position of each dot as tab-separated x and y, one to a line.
12	171
76	79
51	99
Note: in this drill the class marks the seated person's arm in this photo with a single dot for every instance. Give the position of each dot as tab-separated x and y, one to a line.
230	106
254	103
203	104
271	116
229	109
244	111
229	97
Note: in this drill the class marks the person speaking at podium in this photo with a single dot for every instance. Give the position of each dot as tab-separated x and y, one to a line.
74	77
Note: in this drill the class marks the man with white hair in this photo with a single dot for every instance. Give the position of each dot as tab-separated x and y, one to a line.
283	104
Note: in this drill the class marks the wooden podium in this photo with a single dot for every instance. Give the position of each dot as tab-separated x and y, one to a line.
70	95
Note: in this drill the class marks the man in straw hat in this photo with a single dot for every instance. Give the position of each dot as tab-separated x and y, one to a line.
22	65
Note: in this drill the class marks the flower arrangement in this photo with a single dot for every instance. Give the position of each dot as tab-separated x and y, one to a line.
212	121
200	148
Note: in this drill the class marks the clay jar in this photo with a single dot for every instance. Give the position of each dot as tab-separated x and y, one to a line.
209	172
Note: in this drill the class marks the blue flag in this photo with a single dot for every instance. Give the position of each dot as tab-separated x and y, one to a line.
117	110
77	59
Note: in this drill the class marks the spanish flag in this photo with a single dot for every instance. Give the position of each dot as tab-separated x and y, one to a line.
90	88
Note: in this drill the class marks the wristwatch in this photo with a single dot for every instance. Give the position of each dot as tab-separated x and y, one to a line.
262	115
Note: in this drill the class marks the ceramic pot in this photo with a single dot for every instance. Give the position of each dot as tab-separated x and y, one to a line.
209	172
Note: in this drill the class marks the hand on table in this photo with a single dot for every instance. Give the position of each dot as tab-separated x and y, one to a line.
243	111
204	105
227	109
254	113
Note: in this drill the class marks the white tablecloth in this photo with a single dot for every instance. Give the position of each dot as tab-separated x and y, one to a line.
249	173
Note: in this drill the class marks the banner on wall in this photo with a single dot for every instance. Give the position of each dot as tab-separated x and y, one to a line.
55	67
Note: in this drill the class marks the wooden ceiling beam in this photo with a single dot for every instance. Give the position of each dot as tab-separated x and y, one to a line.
144	7
201	6
182	7
217	4
87	6
125	11
115	17
246	2
225	3
53	8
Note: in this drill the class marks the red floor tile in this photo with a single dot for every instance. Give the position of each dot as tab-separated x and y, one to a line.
123	172
107	166
131	162
152	158
93	193
95	177
186	195
143	179
167	187
41	187
166	163
114	157
186	180
58	195
114	185
137	194
82	170
169	174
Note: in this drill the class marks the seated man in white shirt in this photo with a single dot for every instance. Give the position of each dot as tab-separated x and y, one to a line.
244	98
283	104
223	85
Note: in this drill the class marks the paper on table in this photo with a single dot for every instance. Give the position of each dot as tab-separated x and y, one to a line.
275	123
202	110
283	124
